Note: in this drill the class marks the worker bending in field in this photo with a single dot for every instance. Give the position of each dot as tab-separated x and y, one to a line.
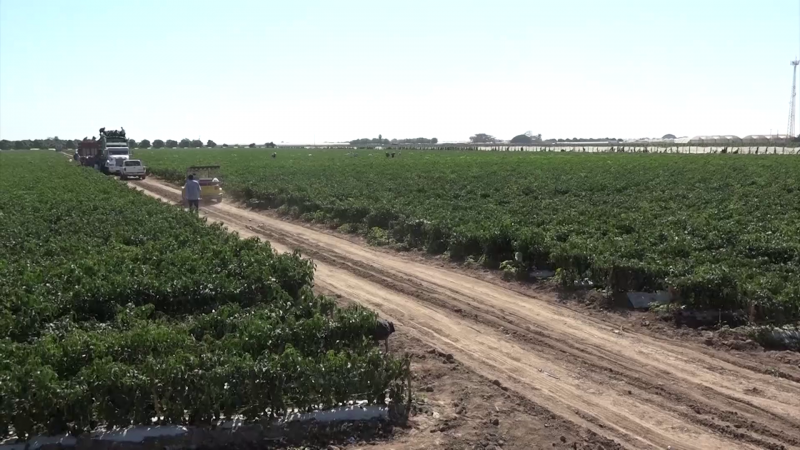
192	189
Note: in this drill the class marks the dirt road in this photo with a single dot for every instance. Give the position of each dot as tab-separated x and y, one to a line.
640	391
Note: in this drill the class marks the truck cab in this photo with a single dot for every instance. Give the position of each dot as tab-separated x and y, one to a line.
132	168
116	157
114	150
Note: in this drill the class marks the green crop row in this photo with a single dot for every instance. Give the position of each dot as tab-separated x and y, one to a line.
721	231
116	309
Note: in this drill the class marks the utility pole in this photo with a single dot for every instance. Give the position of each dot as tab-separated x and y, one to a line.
790	130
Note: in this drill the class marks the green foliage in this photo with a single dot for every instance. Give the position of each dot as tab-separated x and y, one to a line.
144	143
348	228
513	270
158	143
482	138
721	230
115	309
377	236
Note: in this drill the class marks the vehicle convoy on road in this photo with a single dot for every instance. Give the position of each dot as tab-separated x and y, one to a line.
107	153
132	168
210	184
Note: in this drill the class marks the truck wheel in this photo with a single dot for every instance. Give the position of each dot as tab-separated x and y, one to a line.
143	177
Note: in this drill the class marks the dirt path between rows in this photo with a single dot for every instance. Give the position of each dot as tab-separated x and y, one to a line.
638	390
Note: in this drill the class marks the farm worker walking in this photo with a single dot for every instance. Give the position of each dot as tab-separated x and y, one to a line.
192	189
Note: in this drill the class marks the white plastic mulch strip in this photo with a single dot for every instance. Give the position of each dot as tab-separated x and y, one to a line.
354	411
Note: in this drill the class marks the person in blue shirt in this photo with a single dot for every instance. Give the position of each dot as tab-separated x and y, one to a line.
192	189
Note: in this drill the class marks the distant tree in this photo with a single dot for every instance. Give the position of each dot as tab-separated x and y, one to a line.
211	144
252	145
197	143
6	144
22	145
185	143
224	145
131	143
69	144
158	143
144	143
38	143
482	138
269	145
668	136
533	137
522	139
171	143
381	141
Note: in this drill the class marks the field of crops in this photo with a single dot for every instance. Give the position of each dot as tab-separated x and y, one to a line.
723	231
116	309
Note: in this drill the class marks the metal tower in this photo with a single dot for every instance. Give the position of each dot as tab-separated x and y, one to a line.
790	129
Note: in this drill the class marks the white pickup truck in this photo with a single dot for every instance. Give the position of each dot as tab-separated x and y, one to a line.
132	168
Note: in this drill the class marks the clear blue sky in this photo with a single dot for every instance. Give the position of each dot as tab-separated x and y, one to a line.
297	71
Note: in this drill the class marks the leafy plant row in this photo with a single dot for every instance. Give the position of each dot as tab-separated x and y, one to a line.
116	309
719	231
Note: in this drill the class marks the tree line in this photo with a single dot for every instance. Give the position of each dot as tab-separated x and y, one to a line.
530	138
69	144
381	141
589	140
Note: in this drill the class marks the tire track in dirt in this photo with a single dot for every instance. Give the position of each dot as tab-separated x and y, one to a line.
640	391
690	402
